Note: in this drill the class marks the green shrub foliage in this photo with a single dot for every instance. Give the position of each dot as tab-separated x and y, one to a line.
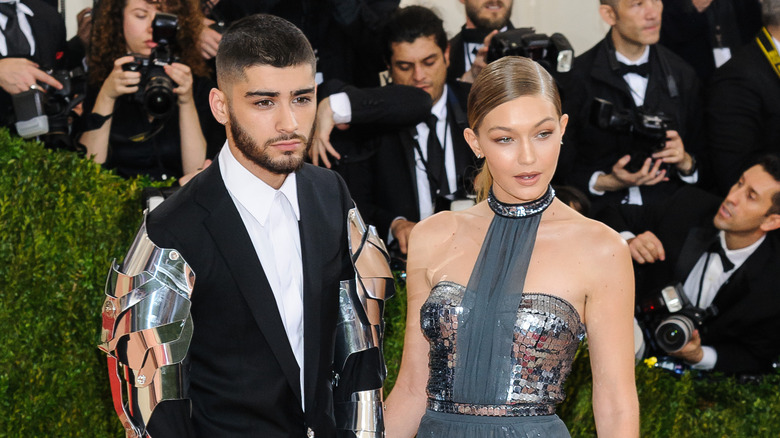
63	220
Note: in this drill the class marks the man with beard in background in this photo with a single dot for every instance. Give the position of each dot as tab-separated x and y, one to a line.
265	235
468	48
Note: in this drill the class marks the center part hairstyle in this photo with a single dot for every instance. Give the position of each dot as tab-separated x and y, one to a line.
260	40
501	81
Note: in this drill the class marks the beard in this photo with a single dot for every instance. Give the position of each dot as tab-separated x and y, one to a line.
473	11
289	162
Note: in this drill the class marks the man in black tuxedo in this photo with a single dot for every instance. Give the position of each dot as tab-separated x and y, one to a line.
468	49
409	169
33	36
726	254
265	234
743	109
629	69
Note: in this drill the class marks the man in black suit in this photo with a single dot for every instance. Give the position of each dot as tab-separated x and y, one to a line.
32	37
614	164
726	254
265	234
468	49
409	169
743	109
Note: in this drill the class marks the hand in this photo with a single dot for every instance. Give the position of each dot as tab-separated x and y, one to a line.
182	75
84	19
186	178
18	74
646	248
320	145
401	228
620	178
674	153
209	39
480	60
120	82
692	351
701	5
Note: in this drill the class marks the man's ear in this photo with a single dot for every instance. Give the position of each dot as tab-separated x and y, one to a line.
219	105
447	55
608	14
770	223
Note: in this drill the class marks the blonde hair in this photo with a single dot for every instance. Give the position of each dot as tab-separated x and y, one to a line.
502	81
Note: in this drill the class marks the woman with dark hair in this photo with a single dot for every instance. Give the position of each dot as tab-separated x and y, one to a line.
119	132
505	291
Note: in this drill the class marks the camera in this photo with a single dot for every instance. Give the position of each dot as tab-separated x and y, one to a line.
155	90
48	112
647	130
554	53
669	319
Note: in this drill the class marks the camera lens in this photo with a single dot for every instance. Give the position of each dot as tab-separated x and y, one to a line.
674	332
159	98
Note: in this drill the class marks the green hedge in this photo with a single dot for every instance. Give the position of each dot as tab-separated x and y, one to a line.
63	219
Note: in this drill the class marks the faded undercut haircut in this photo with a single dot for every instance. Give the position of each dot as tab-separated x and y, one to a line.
258	40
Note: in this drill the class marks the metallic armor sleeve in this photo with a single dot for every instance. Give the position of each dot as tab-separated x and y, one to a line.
146	330
360	334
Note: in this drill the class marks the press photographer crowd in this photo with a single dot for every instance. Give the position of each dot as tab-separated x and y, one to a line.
673	135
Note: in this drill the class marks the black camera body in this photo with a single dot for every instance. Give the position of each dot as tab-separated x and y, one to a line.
553	52
155	90
647	130
669	319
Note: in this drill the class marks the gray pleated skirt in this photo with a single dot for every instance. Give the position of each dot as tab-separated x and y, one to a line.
443	425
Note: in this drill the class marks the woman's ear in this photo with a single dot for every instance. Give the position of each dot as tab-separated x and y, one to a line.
471	139
564	121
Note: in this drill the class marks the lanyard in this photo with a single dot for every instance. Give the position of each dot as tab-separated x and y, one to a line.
764	40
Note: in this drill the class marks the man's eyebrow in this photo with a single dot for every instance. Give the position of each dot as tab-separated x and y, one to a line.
303	91
261	93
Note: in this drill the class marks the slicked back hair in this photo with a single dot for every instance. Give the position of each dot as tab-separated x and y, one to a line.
258	40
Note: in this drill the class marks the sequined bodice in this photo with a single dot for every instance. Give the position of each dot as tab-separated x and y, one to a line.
547	332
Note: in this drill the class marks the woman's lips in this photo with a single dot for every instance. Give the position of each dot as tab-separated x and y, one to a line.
527	179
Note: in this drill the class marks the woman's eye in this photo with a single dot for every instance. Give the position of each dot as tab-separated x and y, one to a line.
544	134
503	140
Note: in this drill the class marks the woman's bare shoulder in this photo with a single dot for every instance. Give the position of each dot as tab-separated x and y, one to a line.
587	235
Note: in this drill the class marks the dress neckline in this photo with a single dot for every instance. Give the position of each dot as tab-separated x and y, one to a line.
525	209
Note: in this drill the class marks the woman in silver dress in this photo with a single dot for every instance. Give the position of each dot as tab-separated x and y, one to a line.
500	295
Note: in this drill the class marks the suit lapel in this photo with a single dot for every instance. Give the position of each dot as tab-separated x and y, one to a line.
696	243
311	252
409	143
738	285
232	240
460	149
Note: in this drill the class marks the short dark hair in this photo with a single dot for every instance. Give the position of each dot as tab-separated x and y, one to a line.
770	12
407	24
771	164
261	39
612	3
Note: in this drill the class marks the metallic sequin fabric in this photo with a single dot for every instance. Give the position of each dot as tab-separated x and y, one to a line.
546	336
521	210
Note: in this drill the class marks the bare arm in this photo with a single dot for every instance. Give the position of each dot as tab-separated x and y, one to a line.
609	320
193	143
406	403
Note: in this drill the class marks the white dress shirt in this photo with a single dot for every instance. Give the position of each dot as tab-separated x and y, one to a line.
22	12
271	218
713	278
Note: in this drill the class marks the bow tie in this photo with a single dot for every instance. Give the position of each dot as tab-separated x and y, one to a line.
717	248
641	69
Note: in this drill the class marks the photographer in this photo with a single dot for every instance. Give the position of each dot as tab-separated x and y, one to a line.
137	121
726	254
638	78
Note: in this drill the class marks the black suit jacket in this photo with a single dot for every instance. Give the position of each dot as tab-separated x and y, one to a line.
244	380
588	148
746	330
385	185
743	114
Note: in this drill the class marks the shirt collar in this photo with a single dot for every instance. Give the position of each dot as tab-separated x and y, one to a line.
738	256
252	192
21	7
642	59
439	108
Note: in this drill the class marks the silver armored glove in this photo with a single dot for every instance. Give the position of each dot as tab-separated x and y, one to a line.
360	367
146	330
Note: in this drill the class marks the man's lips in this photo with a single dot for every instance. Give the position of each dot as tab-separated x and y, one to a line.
724	212
289	145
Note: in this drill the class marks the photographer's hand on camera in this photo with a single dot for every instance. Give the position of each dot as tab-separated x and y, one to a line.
692	352
620	178
674	153
209	40
401	228
480	60
646	248
19	74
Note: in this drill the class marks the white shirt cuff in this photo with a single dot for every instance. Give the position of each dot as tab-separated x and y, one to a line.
692	178
708	359
390	236
592	183
627	235
341	107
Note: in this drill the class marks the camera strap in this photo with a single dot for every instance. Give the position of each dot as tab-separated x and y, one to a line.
764	40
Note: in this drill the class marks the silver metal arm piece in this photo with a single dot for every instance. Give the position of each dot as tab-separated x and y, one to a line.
146	330
360	331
